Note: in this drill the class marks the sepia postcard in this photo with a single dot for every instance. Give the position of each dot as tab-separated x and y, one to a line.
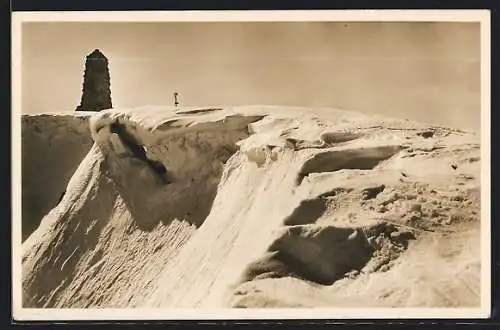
239	165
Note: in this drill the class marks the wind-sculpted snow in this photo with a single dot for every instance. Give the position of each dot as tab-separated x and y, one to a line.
261	206
175	167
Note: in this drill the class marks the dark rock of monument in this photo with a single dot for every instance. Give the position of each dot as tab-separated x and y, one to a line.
96	93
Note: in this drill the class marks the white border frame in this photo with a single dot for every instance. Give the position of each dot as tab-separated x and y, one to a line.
480	16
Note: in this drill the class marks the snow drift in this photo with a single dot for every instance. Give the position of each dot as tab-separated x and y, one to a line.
260	206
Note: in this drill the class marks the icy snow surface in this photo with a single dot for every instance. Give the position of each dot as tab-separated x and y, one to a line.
251	206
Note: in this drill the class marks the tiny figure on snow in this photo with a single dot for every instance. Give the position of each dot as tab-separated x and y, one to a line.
175	99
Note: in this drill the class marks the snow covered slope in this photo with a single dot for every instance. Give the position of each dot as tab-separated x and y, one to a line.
262	206
52	147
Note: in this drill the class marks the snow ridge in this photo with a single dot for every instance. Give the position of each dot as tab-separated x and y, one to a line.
259	206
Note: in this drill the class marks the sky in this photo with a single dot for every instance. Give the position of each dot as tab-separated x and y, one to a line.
428	72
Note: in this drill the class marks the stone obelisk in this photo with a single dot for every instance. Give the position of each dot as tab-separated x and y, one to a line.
96	92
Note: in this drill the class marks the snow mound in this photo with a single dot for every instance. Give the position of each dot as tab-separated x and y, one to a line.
257	206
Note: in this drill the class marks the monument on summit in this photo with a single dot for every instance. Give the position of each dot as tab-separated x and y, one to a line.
96	92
